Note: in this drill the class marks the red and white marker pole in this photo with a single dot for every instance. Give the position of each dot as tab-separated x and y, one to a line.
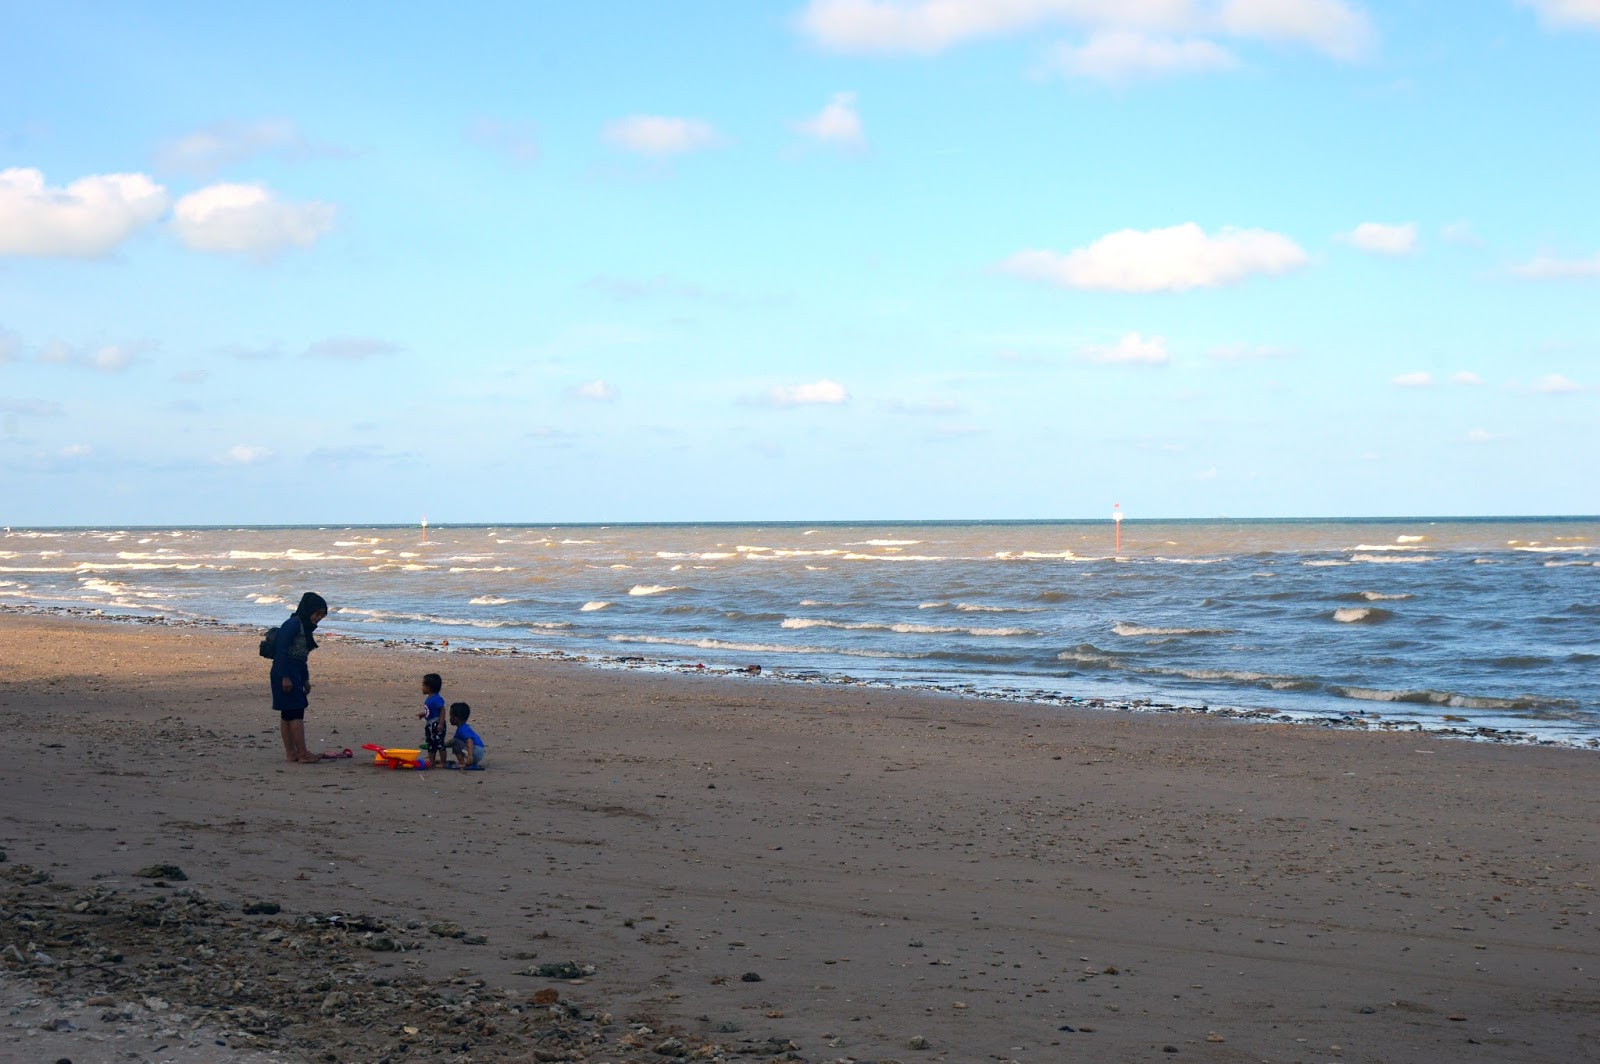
1116	515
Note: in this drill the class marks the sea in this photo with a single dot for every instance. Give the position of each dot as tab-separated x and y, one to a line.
1471	626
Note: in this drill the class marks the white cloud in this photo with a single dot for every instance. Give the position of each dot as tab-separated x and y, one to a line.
1419	379
245	454
1560	14
76	450
1548	267
1485	436
837	123
660	135
89	217
350	348
248	219
817	393
1465	377
1131	350
1162	260
1329	26
113	358
517	141
216	147
596	391
1120	56
1381	239
931	26
1556	384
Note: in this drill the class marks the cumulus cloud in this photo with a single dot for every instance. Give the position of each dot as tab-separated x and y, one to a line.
350	348
1419	379
212	148
87	218
1549	267
1567	14
113	358
836	124
1121	56
817	393
106	358
1556	384
1131	350
660	135
248	219
597	391
1381	239
517	141
246	454
932	26
1162	260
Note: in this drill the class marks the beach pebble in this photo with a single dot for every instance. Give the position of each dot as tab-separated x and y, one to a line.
262	908
916	1041
750	977
162	871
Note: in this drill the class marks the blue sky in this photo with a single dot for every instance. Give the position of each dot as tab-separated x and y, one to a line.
836	259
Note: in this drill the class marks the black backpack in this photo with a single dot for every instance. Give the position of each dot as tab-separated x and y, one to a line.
269	644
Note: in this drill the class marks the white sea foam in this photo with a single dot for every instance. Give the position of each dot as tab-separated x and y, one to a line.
1126	629
1383	547
885	543
1379	596
379	616
1360	614
1040	555
37	568
853	557
902	628
1192	561
1409	539
639	590
488	600
1563	565
570	542
1534	549
590	607
139	567
265	600
920	606
749	648
1266	679
1405	559
483	568
978	607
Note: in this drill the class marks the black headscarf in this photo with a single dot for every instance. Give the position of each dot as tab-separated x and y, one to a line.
311	604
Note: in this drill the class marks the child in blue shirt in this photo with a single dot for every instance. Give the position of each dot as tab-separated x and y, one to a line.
466	744
432	716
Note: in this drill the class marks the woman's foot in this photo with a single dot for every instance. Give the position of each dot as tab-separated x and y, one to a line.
308	758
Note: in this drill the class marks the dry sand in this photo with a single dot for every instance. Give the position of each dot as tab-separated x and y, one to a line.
1000	882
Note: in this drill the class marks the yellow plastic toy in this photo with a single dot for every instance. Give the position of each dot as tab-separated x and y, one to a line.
394	757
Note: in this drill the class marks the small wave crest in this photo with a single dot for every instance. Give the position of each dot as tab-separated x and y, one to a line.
590	607
1361	615
488	600
641	590
1125	628
902	628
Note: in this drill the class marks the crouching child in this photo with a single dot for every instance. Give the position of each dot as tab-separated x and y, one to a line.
466	744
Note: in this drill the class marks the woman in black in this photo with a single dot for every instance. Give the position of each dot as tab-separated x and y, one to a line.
291	676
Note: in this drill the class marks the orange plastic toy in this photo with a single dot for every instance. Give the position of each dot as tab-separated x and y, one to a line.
394	757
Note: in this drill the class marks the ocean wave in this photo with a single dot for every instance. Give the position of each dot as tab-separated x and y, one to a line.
141	567
853	557
1324	563
483	568
1193	561
1040	555
265	600
290	555
1361	615
1124	628
590	607
920	606
1380	596
1535	548
380	616
1409	539
902	628
785	552
885	543
1408	559
489	600
749	648
1089	654
1383	547
38	568
1449	699
1245	676
640	590
564	543
978	607
1563	565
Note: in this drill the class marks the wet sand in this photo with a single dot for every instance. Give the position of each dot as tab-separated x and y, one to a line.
911	876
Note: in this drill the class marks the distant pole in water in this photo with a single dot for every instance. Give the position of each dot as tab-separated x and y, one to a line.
1116	515
424	528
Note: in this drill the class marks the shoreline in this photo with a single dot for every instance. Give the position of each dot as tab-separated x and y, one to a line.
905	879
1355	720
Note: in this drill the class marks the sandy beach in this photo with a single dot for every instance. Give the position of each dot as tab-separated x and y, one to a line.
738	869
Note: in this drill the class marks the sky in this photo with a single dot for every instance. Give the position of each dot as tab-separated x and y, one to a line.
799	260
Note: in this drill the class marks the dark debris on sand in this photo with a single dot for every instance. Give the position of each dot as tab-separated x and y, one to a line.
316	986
